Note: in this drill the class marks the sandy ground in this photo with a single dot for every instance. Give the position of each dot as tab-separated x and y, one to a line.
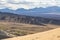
47	35
19	24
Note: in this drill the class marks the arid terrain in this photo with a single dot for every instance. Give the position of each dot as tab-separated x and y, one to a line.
47	35
22	29
14	25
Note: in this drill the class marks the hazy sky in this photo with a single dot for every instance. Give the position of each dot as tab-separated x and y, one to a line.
27	4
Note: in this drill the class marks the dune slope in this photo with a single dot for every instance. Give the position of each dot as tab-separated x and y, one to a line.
47	35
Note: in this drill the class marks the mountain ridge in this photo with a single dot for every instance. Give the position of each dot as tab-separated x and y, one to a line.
40	10
49	12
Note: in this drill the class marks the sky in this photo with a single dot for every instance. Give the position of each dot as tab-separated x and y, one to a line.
28	4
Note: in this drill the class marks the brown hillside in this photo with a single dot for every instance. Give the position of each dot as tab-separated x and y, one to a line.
48	35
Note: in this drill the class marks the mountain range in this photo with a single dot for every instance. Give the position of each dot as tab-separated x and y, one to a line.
35	10
49	12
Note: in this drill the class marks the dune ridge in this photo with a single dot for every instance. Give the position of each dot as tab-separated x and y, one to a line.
47	35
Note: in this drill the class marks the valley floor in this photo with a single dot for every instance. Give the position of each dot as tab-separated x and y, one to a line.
21	29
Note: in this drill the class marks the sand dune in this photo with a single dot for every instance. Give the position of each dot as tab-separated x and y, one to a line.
48	35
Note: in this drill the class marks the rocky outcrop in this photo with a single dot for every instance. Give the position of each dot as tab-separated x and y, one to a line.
4	34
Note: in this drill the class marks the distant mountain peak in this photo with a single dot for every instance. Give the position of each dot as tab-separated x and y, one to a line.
35	10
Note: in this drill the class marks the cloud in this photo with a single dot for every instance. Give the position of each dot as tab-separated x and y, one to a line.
27	4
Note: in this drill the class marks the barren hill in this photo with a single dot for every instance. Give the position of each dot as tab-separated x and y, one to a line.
11	17
48	35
